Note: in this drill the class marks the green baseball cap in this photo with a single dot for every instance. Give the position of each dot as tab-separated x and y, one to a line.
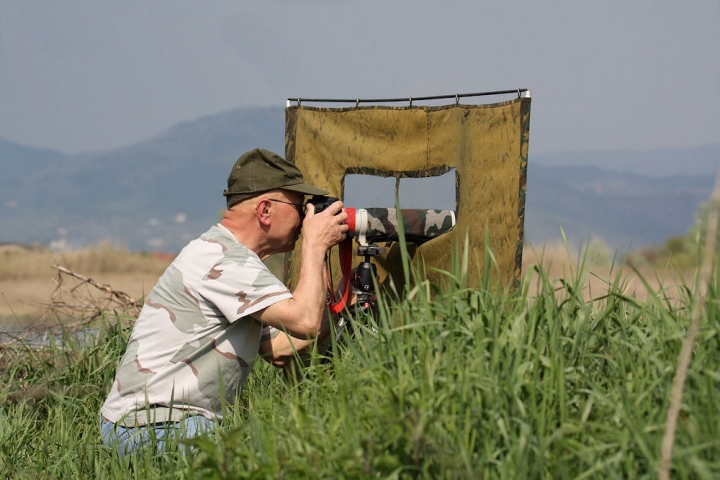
261	170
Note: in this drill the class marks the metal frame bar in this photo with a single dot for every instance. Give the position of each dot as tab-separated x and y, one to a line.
521	92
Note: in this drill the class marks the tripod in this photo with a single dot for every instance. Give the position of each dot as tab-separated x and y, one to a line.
363	283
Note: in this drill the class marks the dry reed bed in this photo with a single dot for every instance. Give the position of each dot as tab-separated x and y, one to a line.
21	263
28	281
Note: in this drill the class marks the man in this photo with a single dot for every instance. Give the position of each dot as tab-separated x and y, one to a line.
217	307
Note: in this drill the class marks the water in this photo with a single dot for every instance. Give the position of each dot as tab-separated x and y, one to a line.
37	337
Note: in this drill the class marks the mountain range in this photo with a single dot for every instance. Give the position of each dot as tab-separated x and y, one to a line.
159	193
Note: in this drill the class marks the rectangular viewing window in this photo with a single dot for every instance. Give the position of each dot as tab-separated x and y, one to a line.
426	193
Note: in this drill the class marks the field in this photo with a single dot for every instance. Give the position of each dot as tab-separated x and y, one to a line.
29	283
569	376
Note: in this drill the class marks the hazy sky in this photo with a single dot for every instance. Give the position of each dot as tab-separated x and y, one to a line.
613	74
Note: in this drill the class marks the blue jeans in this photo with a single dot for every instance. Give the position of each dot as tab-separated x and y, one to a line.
127	440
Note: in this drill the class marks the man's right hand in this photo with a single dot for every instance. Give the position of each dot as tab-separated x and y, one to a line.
325	229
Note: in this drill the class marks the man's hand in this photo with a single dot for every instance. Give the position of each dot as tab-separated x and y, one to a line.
325	229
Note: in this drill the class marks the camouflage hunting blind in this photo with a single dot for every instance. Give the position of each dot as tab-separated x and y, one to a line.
485	144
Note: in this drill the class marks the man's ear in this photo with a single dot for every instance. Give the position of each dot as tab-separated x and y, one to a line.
262	209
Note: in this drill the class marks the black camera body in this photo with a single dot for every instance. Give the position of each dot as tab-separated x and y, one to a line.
322	202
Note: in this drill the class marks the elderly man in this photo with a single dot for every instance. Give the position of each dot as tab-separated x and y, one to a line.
217	306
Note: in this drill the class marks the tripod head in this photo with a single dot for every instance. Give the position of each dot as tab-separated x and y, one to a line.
363	288
364	280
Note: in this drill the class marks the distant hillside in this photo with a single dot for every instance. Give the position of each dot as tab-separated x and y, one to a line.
155	195
695	161
20	162
160	193
624	210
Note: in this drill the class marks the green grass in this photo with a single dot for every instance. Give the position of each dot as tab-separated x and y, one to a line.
446	382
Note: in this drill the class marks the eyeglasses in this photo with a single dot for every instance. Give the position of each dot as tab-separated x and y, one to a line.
300	207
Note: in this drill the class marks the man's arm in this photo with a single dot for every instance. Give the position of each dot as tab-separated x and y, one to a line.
280	350
302	315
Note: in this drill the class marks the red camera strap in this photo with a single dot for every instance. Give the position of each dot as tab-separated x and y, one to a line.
346	255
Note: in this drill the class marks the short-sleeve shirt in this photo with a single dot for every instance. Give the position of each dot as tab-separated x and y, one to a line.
194	342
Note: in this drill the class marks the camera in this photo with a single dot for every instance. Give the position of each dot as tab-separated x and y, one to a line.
322	202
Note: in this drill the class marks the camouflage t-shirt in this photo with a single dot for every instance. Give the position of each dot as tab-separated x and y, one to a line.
194	343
